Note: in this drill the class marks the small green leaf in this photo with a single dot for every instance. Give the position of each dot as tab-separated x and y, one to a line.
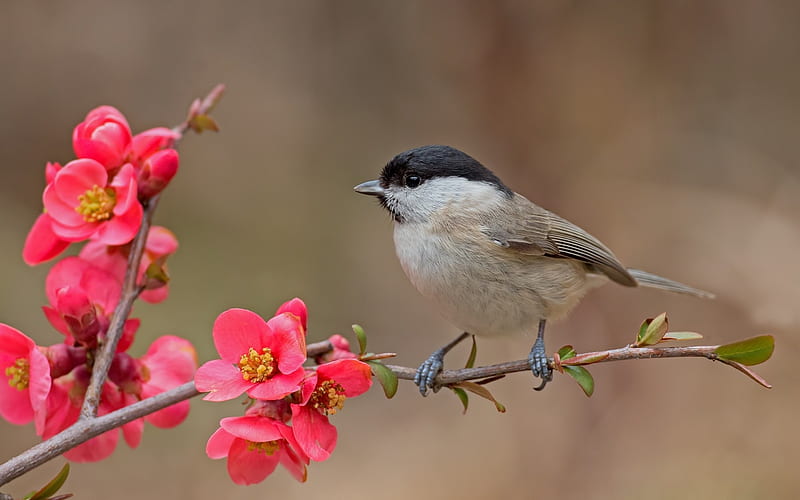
463	396
681	336
473	353
748	352
582	377
566	352
362	339
386	377
480	391
52	487
652	330
200	123
587	358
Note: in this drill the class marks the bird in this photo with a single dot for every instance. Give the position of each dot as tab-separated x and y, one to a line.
492	262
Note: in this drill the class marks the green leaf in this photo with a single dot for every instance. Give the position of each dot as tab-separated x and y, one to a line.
681	336
386	377
480	391
52	487
200	122
473	353
587	358
582	377
748	352
566	352
362	339
652	330
463	396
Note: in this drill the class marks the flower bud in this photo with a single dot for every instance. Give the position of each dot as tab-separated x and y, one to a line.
103	136
157	171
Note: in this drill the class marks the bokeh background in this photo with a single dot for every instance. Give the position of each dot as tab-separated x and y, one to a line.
667	129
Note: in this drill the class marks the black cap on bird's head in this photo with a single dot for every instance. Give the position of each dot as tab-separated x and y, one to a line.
415	166
427	162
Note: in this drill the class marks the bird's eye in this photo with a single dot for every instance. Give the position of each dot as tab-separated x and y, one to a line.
413	181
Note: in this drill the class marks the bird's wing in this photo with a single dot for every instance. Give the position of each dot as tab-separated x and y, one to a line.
533	230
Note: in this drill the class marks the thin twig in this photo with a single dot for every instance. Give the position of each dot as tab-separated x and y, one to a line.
86	429
130	291
89	428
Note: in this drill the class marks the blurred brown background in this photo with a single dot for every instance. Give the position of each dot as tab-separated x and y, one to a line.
667	129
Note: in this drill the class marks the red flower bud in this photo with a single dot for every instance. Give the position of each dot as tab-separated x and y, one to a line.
157	171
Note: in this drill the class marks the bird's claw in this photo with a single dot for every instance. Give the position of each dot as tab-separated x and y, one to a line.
540	364
425	378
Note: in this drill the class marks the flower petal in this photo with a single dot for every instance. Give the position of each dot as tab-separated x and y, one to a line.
77	177
353	375
279	386
221	380
253	428
296	307
59	210
42	244
219	444
249	467
314	433
236	331
120	229
288	343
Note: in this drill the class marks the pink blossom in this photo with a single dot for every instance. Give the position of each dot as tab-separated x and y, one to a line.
161	243
169	362
26	383
263	358
341	350
323	393
82	299
254	446
63	409
156	172
42	244
297	307
144	144
103	136
82	203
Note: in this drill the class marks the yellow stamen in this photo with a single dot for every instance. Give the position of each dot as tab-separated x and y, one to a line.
257	367
328	398
19	374
96	204
268	447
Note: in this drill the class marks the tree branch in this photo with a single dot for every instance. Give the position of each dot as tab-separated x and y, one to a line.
86	429
130	289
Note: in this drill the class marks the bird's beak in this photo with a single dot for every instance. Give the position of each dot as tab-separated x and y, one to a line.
372	188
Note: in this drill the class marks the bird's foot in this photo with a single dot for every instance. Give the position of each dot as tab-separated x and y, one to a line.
425	378
540	364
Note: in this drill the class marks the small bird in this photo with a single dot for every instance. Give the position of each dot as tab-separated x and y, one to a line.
492	262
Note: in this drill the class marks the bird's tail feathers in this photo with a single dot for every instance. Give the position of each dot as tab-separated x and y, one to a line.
654	281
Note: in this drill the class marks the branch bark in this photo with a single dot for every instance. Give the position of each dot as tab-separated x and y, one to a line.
86	429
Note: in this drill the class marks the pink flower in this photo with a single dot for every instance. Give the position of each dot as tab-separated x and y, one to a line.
147	143
42	244
26	382
323	393
341	350
296	307
63	408
82	299
103	136
156	172
161	243
169	362
263	358
254	446
82	203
